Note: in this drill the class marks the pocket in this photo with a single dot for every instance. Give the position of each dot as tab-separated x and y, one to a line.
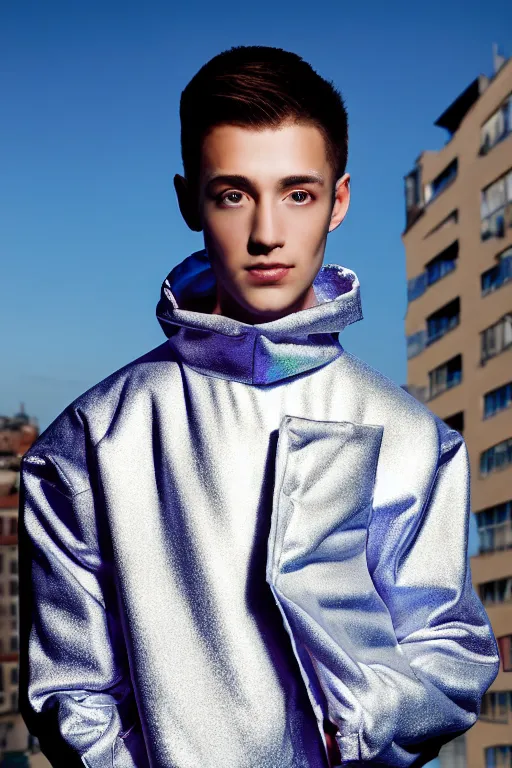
340	627
325	477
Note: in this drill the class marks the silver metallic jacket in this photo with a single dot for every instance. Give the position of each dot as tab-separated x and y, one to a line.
243	533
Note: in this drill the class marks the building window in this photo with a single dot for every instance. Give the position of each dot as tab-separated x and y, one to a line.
14	566
505	647
14	701
452	218
496	207
497	457
416	343
456	421
14	643
497	127
498	757
14	676
498	275
443	320
443	264
445	376
496	706
495	527
13	530
413	202
13	588
1	560
441	182
497	591
497	400
496	339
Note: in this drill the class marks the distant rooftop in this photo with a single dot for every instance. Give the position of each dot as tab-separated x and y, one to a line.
458	109
17	421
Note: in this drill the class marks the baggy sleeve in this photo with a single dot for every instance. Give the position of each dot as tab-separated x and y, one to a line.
75	694
441	626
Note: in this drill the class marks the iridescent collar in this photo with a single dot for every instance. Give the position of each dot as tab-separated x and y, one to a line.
258	354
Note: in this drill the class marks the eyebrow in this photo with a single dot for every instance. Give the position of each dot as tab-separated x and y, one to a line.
236	180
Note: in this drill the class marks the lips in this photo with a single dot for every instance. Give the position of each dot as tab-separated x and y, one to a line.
268	273
268	266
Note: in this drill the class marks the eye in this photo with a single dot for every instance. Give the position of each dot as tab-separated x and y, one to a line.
226	198
301	192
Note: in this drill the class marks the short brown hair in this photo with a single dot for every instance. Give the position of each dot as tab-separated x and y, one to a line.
260	87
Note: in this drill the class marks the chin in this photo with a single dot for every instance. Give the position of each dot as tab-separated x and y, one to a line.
267	310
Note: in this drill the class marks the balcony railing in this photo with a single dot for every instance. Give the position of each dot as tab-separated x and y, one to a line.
438	269
441	326
496	538
497	276
452	379
416	343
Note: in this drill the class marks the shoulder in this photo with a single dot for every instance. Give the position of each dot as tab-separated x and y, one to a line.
68	441
409	425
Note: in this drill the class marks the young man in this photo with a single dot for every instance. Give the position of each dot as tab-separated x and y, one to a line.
248	549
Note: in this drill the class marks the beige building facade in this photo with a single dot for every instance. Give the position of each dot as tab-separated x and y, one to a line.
458	245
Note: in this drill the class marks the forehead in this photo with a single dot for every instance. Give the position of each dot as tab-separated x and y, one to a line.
266	153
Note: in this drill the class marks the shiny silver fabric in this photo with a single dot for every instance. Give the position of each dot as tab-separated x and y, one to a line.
242	533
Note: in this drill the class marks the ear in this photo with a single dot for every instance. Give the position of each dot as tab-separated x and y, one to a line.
187	203
341	202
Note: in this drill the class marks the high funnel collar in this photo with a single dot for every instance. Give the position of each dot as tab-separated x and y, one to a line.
258	354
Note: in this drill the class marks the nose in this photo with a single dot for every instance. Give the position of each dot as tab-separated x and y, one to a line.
266	230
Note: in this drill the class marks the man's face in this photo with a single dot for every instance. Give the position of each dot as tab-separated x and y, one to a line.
265	197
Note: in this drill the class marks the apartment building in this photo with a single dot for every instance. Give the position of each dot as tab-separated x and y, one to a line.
17	746
458	245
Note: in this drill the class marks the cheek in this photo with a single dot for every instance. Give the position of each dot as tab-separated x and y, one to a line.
311	225
225	232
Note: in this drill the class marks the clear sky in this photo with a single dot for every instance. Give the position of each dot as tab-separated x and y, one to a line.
89	143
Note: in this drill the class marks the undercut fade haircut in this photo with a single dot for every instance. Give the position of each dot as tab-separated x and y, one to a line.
260	87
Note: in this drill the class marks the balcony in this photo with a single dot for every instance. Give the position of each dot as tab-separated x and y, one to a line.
441	182
497	127
494	527
442	321
496	592
499	275
496	339
497	457
445	376
440	266
496	207
497	400
438	325
496	708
